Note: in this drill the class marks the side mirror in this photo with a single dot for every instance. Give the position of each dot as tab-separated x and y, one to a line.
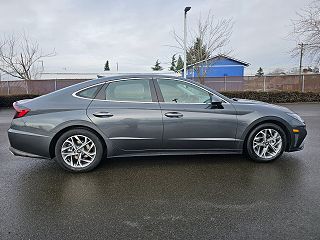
217	105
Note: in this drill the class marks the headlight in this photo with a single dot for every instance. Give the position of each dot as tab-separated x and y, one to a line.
296	116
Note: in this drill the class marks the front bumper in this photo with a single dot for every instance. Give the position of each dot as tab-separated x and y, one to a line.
297	139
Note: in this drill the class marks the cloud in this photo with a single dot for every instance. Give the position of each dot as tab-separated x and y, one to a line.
136	33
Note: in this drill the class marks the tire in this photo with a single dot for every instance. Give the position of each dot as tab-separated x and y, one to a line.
268	149
74	158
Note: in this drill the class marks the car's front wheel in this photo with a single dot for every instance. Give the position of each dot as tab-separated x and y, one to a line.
78	150
266	142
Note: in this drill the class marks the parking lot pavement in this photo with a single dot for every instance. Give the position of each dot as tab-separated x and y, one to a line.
185	197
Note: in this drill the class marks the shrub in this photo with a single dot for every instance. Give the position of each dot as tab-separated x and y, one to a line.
276	97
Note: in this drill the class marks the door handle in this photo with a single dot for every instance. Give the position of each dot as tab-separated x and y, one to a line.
173	115
103	114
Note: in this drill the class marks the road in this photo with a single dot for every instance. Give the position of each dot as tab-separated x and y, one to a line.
186	197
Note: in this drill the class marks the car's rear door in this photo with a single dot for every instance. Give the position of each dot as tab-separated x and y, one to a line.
189	121
128	113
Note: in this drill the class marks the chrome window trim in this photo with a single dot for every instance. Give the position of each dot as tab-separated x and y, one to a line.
135	78
82	89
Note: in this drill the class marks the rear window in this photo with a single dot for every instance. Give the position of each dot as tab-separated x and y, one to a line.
89	92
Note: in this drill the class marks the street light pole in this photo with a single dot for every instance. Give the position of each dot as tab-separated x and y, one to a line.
185	42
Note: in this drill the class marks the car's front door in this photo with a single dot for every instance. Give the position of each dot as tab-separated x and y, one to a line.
189	120
129	114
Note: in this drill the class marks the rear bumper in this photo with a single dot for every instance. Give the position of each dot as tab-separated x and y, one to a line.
297	139
17	152
28	144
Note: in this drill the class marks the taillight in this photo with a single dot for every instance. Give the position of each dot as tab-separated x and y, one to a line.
20	112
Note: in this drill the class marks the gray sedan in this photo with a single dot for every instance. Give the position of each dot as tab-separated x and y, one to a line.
140	115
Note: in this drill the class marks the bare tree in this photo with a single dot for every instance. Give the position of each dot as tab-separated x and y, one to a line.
18	56
210	37
306	32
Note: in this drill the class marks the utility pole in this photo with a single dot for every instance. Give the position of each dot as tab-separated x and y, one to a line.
42	68
185	42
302	48
117	67
301	45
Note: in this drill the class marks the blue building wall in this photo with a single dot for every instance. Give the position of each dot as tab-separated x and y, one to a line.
219	68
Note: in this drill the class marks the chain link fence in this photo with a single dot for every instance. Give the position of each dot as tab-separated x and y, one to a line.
296	83
303	83
37	87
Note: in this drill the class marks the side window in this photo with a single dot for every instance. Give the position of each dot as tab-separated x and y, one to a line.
89	92
135	90
181	92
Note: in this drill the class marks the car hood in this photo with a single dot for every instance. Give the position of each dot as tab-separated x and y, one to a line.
248	101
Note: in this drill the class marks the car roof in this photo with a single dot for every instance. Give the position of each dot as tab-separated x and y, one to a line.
114	77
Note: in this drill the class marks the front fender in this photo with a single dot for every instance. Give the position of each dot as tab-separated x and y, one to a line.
243	132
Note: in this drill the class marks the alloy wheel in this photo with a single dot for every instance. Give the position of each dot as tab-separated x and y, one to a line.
78	151
267	143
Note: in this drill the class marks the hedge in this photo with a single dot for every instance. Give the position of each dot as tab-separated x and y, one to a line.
8	100
270	97
276	97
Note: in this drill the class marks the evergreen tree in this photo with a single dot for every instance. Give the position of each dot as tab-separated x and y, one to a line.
106	66
173	64
197	52
157	66
260	72
179	64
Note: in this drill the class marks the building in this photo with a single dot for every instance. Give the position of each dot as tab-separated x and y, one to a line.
217	66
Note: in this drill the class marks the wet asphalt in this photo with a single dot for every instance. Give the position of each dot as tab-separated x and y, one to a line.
184	197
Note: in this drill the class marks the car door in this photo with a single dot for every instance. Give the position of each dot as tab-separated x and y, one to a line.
129	114
189	120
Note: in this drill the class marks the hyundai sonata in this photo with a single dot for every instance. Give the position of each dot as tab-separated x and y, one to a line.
148	115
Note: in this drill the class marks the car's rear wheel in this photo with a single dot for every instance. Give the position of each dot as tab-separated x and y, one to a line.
78	150
266	142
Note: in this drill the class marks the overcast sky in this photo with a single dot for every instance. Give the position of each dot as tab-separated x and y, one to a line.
85	34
